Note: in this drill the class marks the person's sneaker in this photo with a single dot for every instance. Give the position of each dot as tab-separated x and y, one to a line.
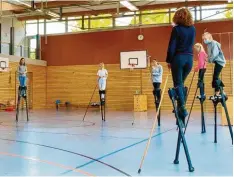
216	97
201	97
212	97
24	95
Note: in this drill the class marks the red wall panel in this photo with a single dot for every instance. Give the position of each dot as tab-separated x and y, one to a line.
95	47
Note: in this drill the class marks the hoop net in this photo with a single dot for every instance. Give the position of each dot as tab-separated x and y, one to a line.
3	69
131	67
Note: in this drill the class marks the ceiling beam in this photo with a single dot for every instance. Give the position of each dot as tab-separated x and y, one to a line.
9	7
147	7
54	4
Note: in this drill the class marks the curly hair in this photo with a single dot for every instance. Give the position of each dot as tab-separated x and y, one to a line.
183	17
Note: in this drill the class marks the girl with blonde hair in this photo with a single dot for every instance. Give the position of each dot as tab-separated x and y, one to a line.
201	68
216	56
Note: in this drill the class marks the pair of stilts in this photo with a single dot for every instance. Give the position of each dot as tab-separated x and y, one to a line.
221	99
180	122
102	96
22	93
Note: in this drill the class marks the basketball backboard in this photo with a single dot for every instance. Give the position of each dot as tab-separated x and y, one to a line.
138	59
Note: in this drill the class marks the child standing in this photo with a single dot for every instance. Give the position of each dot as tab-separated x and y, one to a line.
215	55
157	72
201	67
102	77
22	71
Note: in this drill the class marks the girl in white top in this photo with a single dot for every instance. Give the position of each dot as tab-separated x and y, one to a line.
102	77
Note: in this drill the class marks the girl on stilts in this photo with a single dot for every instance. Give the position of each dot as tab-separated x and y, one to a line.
102	77
180	55
22	71
201	68
157	72
215	55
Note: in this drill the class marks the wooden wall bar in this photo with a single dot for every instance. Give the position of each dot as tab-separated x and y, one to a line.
76	84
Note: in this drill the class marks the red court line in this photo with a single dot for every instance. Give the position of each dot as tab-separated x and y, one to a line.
49	163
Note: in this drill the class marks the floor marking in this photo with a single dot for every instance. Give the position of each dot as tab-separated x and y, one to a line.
47	162
114	152
71	152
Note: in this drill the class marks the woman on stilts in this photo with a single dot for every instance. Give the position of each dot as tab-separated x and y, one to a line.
180	55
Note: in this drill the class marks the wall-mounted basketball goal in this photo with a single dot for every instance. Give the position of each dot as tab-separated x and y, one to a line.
4	64
134	60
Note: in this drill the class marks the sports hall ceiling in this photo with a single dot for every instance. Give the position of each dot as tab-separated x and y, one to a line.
23	10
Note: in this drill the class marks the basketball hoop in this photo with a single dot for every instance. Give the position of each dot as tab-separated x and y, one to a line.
4	64
131	67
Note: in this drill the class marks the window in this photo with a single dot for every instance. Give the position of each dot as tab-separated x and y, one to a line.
101	23
213	14
123	21
135	20
75	26
155	18
55	27
32	47
31	29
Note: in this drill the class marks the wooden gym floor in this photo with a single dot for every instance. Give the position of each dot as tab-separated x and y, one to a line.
59	143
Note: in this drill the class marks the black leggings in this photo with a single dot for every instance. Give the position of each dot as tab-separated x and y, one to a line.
217	70
157	90
200	83
156	85
201	75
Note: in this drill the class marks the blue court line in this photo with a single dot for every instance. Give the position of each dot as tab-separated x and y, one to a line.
114	152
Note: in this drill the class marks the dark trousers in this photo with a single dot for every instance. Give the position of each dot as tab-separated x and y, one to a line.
200	83
181	67
157	90
217	70
156	85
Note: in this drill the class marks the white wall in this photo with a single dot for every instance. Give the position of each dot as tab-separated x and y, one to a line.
19	35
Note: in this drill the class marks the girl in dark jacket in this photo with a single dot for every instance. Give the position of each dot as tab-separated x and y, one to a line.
180	54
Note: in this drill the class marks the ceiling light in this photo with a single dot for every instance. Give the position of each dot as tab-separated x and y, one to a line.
129	5
39	10
229	1
53	14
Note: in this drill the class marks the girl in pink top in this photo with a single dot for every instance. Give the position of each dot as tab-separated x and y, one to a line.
201	67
